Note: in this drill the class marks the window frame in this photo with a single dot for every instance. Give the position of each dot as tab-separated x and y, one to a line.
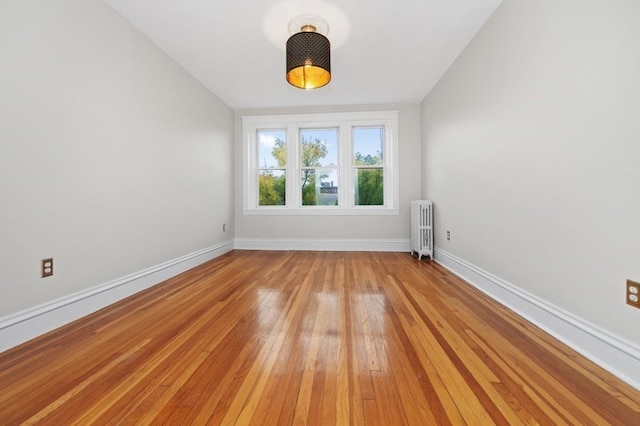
355	169
260	169
318	169
344	122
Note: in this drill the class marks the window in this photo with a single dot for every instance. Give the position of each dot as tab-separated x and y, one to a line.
272	167
319	166
340	163
368	166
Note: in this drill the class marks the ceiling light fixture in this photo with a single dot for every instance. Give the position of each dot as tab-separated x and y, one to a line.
308	58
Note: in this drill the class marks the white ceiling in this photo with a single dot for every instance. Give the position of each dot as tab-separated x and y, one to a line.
383	51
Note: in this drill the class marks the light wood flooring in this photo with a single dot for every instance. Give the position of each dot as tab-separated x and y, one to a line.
320	338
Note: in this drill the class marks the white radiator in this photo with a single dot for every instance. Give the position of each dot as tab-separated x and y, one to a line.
422	228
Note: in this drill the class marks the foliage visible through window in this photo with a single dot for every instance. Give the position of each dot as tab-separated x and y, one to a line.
319	171
272	163
368	166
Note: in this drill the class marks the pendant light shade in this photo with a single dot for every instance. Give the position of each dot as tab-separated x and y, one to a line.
308	59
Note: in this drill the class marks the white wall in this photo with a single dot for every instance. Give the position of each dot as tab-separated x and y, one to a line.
113	159
531	153
392	227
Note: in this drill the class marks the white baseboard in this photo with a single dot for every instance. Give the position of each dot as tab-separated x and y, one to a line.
613	353
25	325
323	244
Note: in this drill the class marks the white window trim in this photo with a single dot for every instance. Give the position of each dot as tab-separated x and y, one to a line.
344	121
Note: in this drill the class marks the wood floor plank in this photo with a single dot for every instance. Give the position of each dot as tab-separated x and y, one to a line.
319	338
451	331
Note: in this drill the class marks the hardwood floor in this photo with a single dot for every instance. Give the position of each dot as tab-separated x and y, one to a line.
280	338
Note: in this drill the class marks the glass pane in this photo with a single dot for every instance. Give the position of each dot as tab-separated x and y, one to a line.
271	188
272	148
319	147
367	146
369	187
319	187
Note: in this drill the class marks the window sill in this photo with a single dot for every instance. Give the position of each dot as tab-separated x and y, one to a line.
320	211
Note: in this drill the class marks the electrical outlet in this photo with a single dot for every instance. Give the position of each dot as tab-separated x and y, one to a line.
633	293
46	267
448	235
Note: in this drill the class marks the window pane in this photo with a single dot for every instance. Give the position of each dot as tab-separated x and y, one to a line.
272	148
271	190
319	147
319	187
369	187
367	146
